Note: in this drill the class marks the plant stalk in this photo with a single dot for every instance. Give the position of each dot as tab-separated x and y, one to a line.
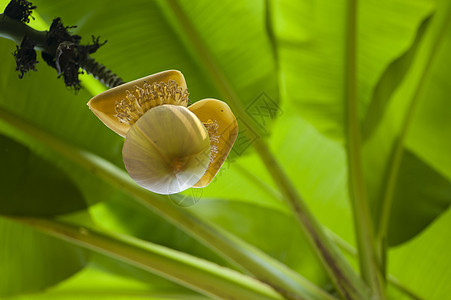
16	31
357	191
343	245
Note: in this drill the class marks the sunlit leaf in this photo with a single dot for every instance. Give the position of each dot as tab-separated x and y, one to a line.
384	150
319	168
389	82
431	124
423	264
99	283
310	39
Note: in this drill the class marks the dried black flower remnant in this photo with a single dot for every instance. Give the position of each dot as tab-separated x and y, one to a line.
60	49
25	56
19	10
67	64
85	50
70	74
65	59
59	33
70	55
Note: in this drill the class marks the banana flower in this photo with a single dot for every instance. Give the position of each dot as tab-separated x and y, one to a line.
168	146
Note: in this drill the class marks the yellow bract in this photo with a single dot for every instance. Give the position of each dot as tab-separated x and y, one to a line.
120	107
222	127
168	147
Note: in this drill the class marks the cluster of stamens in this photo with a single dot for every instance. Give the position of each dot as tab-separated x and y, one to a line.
139	101
212	129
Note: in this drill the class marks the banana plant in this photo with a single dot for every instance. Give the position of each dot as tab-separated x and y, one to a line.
255	149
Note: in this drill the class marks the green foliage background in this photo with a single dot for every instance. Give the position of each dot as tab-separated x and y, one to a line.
293	51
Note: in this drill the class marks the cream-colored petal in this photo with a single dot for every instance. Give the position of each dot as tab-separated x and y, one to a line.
104	104
167	150
223	130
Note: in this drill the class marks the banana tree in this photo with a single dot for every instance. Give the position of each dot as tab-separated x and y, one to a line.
228	150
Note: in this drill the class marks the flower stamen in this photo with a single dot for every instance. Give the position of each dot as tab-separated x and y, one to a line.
139	101
212	129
